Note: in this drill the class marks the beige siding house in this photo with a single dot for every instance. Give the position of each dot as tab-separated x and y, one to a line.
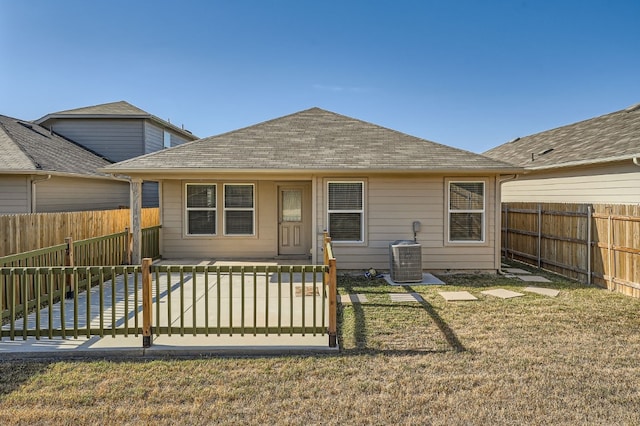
272	189
43	172
593	161
118	131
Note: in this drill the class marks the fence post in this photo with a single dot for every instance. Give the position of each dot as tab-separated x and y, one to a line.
333	305
128	245
505	243
147	303
539	235
589	237
609	252
69	261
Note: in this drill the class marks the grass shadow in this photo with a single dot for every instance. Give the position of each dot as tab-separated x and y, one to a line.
448	333
377	287
13	374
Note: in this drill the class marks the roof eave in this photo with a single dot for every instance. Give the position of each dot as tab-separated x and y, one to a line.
179	171
583	162
107	176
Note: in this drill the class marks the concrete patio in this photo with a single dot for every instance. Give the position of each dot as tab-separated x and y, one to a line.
260	309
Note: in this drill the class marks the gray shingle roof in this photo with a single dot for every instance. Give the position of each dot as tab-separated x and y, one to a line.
113	108
120	109
611	136
313	139
25	147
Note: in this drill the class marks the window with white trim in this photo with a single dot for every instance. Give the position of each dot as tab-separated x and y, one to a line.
239	211
466	211
166	139
345	211
201	209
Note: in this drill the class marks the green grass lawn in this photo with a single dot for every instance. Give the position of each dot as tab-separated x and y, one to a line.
572	359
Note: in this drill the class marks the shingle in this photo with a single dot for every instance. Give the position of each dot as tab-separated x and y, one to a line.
112	108
612	135
314	139
27	146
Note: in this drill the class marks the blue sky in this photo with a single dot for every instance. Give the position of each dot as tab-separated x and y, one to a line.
467	73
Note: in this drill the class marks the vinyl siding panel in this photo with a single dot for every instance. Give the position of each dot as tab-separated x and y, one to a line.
153	138
15	194
114	139
177	140
150	194
64	194
617	183
177	245
392	204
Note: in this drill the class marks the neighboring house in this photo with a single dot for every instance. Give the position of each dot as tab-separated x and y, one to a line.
43	172
593	161
270	190
118	131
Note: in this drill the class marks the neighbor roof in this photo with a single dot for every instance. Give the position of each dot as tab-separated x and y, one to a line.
121	109
26	147
313	139
610	137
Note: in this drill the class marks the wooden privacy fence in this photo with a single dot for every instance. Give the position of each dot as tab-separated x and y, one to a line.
592	243
26	232
108	250
152	300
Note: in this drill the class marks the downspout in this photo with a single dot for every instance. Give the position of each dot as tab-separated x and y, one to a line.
33	191
636	161
498	219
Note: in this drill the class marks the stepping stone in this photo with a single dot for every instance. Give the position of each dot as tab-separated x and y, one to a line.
405	297
353	298
543	291
454	296
502	293
516	271
534	278
509	276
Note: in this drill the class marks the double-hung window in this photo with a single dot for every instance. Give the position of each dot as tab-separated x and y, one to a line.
466	211
239	210
346	211
201	209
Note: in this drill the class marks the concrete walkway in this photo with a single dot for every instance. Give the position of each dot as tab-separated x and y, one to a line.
260	310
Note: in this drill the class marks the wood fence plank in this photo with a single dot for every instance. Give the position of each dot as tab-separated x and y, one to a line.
604	250
27	232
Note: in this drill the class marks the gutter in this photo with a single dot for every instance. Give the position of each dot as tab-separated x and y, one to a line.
635	159
498	219
204	171
33	191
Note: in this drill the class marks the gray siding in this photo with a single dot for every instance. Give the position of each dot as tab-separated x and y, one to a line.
177	140
116	140
392	204
616	183
150	194
15	194
153	138
64	194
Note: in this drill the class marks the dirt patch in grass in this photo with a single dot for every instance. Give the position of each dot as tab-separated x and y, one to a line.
528	360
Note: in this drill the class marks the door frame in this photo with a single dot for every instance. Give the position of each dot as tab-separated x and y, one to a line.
307	217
